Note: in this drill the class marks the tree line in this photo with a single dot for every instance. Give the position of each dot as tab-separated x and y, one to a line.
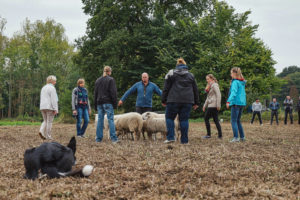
134	37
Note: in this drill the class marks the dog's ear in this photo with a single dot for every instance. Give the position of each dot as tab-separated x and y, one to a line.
72	144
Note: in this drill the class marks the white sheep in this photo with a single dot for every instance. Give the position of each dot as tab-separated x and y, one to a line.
153	125
106	126
130	122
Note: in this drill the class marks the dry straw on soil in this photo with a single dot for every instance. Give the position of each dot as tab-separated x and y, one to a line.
266	166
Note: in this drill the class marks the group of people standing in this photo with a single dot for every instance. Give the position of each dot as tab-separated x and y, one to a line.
180	95
274	107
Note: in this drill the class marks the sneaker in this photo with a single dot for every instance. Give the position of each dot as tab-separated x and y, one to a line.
116	142
220	138
42	136
261	124
243	139
206	137
81	136
50	138
168	141
235	140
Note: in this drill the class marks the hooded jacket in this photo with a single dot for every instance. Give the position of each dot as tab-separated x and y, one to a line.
237	93
180	87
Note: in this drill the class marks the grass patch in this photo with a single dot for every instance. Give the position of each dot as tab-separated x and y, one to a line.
18	123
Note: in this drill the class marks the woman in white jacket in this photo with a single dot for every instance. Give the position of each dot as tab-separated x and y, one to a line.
48	107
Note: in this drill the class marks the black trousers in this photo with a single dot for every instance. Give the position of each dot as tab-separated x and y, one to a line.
299	116
141	110
274	112
212	112
259	116
287	112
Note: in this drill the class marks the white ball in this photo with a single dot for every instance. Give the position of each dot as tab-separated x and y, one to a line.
87	170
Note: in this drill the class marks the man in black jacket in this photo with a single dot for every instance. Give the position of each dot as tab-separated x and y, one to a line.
180	94
105	101
288	109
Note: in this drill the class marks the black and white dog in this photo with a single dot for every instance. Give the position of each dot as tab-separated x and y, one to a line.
54	160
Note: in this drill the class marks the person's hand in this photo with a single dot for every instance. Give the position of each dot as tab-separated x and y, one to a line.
55	112
227	105
203	109
120	103
163	104
195	106
74	112
90	112
218	108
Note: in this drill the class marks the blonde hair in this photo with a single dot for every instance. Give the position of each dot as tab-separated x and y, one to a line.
180	61
51	79
80	81
238	72
106	70
212	77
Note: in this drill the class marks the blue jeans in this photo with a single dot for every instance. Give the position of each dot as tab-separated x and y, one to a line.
82	112
236	113
183	110
109	110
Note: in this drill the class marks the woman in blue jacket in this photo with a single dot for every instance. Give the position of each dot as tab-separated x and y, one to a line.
237	101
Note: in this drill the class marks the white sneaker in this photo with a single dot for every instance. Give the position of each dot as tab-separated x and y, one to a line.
168	141
235	140
261	125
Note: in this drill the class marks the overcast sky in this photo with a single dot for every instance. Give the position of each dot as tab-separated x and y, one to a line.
278	21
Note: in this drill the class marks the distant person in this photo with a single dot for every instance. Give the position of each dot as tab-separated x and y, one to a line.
180	94
213	105
237	101
298	107
144	90
288	109
81	107
105	98
256	108
274	106
48	107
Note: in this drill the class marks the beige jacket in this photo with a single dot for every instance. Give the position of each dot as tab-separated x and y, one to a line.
213	99
49	99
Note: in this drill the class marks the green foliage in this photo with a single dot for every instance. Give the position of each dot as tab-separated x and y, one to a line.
39	50
290	76
149	36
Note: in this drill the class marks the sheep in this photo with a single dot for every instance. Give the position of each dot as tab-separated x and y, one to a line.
154	125
156	115
106	125
130	122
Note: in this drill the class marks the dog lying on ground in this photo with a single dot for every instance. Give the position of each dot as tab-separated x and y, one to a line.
54	160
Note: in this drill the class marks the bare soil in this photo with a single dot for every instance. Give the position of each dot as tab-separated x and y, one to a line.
266	166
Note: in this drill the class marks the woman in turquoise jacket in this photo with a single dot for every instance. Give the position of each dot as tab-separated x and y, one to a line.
237	101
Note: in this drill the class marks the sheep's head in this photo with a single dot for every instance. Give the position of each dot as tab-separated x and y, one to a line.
146	115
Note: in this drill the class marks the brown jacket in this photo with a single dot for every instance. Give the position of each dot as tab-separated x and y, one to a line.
213	99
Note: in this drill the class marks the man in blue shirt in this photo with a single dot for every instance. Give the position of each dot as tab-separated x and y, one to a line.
144	90
274	106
